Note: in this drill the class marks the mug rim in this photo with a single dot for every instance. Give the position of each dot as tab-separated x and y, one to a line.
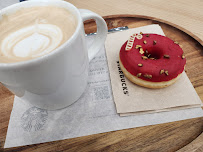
57	50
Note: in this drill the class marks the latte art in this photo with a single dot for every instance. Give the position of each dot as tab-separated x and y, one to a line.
32	42
40	33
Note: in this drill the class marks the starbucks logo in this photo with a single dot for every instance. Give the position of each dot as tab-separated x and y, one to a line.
34	119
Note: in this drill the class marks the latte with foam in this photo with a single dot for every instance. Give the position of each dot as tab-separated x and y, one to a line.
33	32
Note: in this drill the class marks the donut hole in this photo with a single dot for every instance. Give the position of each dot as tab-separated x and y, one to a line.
155	53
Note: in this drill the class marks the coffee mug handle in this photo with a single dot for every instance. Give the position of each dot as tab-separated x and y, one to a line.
101	31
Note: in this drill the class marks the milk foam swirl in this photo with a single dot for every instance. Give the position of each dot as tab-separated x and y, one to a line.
32	32
32	41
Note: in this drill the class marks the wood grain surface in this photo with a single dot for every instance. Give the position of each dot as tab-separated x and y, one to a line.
184	13
196	145
163	137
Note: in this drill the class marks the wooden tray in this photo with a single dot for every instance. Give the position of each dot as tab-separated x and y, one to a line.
163	137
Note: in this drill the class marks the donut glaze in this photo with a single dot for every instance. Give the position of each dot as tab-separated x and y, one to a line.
163	54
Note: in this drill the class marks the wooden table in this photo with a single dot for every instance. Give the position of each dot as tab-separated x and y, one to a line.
186	15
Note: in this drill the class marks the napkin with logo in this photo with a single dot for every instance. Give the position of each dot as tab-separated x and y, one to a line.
132	99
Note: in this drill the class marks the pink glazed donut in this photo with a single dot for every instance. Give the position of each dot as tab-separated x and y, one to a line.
151	60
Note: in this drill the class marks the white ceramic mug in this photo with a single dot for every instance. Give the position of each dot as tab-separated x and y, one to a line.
59	78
